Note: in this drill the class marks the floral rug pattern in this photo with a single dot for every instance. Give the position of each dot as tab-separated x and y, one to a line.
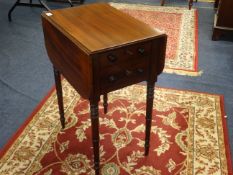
187	136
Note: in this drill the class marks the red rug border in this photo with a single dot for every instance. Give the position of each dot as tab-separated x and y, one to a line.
28	119
41	103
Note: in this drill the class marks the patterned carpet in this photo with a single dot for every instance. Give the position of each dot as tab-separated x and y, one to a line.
180	24
188	136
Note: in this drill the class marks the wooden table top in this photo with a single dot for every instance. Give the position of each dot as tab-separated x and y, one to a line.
99	27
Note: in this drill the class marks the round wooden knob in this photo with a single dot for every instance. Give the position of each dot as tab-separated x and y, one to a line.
128	72
140	70
112	58
112	78
141	51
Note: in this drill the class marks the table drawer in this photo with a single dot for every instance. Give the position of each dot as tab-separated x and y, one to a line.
117	77
129	53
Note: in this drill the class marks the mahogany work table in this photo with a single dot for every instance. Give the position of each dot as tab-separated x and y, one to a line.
99	49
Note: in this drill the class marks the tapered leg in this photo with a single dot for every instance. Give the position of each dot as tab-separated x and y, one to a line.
43	4
162	2
105	103
70	2
190	4
216	34
95	133
216	2
11	10
57	76
149	109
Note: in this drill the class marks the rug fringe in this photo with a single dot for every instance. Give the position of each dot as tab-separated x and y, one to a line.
147	6
183	72
211	1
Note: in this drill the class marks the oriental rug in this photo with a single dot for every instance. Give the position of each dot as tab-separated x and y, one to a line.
181	26
188	136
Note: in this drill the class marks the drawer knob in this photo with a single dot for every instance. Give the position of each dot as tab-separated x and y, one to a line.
141	51
128	72
112	78
140	70
112	58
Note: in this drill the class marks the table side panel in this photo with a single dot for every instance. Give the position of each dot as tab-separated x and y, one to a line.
69	59
157	59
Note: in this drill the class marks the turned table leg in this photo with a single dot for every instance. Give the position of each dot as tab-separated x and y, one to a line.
57	77
190	4
162	2
95	133
216	34
149	109
216	2
11	10
70	2
105	103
